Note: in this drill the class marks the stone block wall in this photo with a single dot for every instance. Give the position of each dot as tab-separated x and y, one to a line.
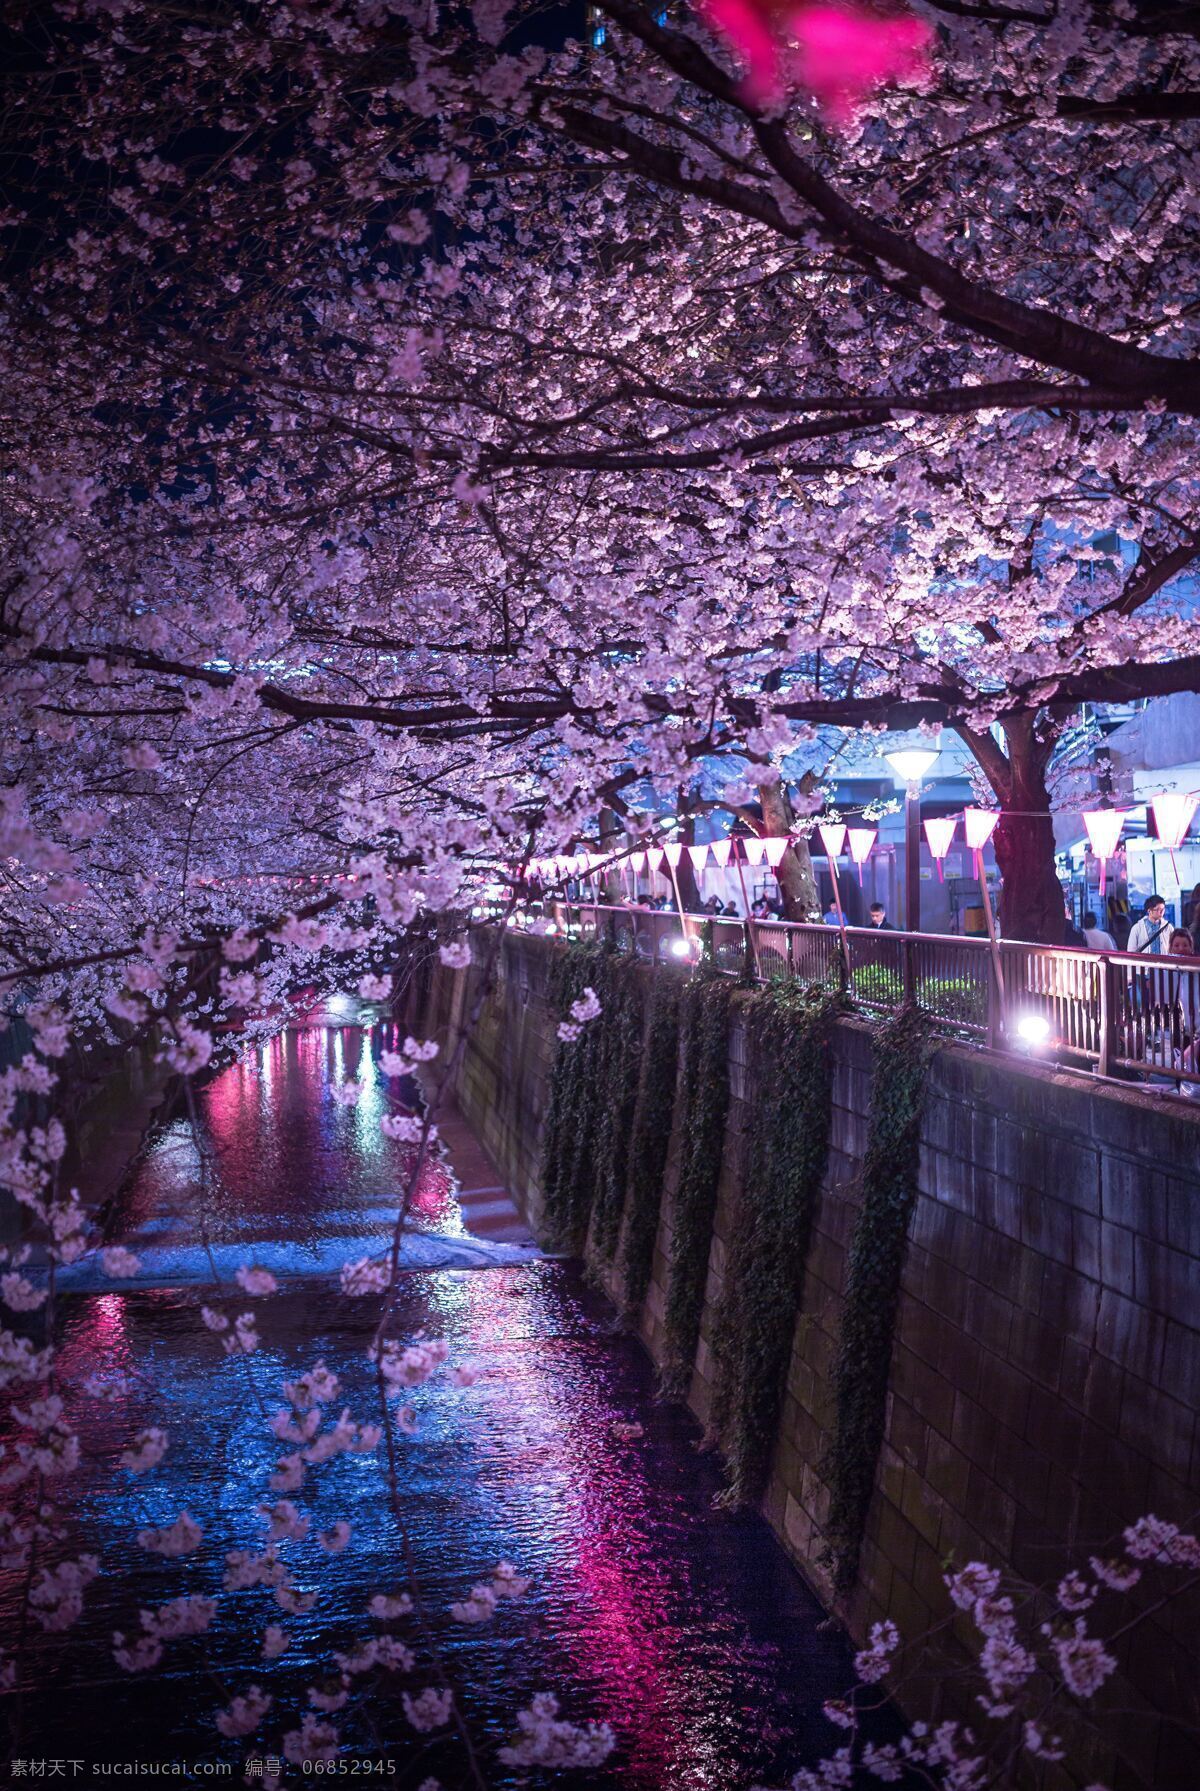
1046	1361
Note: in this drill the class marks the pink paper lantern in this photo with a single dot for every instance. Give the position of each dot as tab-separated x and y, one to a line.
860	841
979	824
775	849
1172	817
833	837
939	831
720	850
754	848
1104	830
698	854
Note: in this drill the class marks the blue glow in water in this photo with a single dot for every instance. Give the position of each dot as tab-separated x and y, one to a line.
682	1626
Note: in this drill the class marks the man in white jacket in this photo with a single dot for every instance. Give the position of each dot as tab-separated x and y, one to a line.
1152	934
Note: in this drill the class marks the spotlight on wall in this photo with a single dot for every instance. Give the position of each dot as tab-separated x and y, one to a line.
681	948
1033	1030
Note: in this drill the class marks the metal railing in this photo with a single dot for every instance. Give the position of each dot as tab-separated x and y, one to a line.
1118	1013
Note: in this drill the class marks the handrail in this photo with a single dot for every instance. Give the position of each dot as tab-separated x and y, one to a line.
1116	1013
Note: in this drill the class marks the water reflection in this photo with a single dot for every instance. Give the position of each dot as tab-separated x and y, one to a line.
681	1626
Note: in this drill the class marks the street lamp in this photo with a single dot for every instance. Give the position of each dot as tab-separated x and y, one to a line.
911	763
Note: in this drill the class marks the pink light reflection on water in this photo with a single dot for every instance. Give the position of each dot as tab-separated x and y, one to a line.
613	1589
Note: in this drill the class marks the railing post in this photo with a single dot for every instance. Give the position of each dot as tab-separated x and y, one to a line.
1108	1015
909	970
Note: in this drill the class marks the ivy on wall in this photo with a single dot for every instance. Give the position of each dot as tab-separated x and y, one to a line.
650	1137
872	1291
616	1092
569	1158
704	1108
789	1069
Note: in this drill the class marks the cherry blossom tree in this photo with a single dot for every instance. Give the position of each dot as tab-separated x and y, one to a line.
459	412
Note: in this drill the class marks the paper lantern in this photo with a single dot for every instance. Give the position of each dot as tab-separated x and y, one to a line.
1104	830
638	861
754	848
833	837
654	858
674	853
979	824
595	860
860	840
1172	818
939	831
775	849
720	850
698	854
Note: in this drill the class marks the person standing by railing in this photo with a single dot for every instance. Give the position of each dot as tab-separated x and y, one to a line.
1152	934
1191	915
1184	1008
1095	936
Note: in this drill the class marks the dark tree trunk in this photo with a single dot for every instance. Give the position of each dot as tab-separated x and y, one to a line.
1031	896
689	889
797	882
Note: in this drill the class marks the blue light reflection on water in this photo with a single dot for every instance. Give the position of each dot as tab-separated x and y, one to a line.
683	1627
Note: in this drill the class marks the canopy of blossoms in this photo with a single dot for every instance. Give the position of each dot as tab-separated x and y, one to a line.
414	436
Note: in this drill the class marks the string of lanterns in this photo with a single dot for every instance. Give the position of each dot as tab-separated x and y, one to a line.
1173	815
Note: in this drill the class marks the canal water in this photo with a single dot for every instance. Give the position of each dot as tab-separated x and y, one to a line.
681	1626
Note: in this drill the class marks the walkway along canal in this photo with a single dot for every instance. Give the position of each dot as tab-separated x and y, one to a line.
683	1627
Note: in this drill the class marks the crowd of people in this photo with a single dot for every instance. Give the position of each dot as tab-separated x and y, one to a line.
1154	934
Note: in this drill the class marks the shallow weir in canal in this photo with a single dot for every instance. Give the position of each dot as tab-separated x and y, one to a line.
680	1625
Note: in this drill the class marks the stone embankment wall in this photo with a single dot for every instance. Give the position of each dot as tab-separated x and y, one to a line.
1046	1356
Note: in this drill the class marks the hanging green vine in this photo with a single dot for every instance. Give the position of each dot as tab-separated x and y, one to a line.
789	1069
650	1138
704	1094
569	1159
876	1257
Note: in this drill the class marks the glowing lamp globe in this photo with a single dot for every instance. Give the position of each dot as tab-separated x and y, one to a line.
911	762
